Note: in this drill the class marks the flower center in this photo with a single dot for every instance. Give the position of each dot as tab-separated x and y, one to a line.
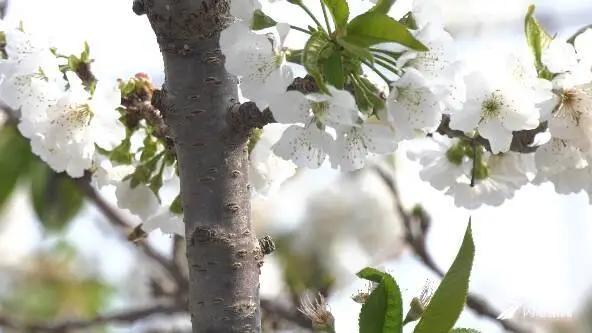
75	116
412	98
575	102
492	106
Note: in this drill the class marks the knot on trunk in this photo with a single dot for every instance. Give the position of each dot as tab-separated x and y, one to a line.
139	7
246	116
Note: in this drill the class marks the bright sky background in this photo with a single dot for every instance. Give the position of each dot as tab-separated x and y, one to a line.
532	251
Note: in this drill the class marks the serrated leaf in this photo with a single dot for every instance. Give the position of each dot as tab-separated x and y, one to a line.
56	200
339	10
374	28
15	160
449	299
537	38
464	330
334	72
383	310
313	56
262	21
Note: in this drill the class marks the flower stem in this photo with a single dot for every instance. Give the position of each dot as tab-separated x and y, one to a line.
326	17
391	54
300	29
375	70
307	10
388	66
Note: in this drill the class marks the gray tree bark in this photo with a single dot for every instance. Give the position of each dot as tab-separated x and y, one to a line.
222	251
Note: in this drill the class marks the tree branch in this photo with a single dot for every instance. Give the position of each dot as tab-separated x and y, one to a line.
123	317
417	224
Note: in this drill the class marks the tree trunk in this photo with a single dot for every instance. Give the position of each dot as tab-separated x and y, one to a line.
222	251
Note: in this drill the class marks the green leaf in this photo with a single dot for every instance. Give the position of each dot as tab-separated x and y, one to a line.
382	6
449	299
85	55
73	63
339	9
261	21
56	200
315	52
144	171
383	311
334	72
537	38
464	330
355	50
177	206
374	28
122	154
367	96
15	160
149	149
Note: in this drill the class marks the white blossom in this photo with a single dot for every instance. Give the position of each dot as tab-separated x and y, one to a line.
105	173
561	57
440	168
572	117
258	60
496	106
506	173
561	163
142	202
307	145
66	137
440	65
266	170
31	78
353	145
448	165
413	106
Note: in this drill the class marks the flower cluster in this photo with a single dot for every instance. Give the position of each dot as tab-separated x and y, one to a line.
62	116
480	132
380	80
79	124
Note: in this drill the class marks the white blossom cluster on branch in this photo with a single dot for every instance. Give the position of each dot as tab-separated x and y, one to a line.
487	108
479	132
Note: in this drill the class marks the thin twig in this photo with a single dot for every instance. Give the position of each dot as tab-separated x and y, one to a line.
416	228
115	218
121	317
